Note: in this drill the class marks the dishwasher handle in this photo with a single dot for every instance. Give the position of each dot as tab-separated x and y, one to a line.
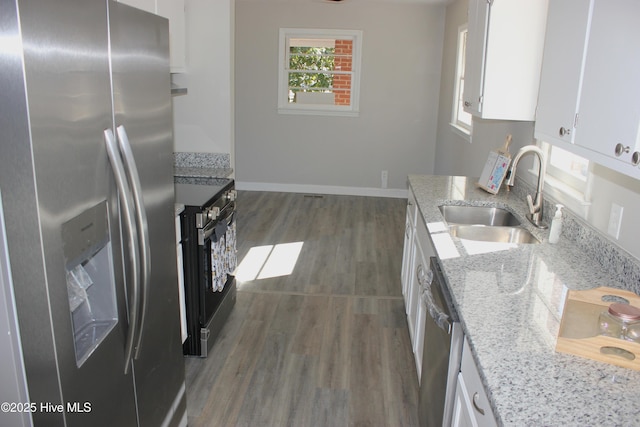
441	319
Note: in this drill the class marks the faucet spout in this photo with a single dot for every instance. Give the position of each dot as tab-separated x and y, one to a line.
535	203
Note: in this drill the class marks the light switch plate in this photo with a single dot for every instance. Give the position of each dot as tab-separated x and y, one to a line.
615	220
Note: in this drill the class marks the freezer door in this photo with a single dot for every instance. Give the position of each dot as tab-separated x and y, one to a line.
144	122
73	347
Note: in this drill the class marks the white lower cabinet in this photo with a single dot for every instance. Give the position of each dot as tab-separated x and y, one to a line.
418	342
415	266
407	254
462	415
471	406
416	312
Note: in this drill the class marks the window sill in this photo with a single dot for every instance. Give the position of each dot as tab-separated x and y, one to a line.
462	132
317	112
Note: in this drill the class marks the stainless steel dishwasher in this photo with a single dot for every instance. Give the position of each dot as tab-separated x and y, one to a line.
443	340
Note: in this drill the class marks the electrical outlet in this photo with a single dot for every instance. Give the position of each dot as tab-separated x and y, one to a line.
615	220
384	176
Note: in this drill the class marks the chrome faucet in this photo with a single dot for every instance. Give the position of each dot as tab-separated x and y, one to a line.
535	204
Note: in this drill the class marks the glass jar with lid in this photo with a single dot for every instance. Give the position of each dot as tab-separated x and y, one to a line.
621	321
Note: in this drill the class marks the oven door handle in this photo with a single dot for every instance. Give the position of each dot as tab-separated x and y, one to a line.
229	218
128	218
143	228
206	232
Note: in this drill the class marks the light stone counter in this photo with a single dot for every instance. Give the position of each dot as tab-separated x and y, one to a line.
189	166
510	298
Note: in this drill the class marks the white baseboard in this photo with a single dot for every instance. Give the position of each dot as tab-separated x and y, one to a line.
323	189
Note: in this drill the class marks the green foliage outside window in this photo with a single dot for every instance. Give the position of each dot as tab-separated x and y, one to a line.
311	62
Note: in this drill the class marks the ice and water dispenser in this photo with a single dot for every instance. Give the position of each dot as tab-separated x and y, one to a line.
90	279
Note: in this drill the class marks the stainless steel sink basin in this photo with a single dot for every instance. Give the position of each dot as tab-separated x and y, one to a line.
478	215
493	234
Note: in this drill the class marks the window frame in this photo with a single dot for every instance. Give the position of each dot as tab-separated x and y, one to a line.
284	107
461	127
573	193
565	177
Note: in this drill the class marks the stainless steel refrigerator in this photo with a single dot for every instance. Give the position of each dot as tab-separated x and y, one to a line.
86	181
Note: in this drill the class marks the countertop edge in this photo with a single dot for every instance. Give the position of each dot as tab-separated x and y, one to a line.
201	172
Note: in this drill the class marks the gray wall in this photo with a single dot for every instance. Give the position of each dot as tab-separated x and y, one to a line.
396	129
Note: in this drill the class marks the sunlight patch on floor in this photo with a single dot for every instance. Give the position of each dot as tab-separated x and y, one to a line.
263	262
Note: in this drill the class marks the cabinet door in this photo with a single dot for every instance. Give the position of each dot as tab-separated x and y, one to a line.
475	55
419	270
462	409
406	257
418	343
562	67
407	253
610	101
476	402
504	54
424	251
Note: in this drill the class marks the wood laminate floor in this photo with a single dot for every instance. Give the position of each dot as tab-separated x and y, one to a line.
323	343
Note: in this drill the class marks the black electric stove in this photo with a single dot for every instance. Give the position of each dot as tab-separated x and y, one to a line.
209	253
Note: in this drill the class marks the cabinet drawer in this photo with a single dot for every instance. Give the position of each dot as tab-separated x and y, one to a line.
472	384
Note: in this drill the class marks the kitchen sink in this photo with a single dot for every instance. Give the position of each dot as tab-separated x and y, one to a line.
478	215
493	234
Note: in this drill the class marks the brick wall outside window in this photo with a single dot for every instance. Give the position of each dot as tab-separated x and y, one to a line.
342	82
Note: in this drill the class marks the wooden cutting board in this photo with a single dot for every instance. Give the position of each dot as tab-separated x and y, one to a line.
579	328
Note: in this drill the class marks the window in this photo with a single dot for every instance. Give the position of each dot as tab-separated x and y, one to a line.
319	71
568	176
460	120
571	169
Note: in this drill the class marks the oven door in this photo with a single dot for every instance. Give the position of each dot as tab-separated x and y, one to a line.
218	260
218	240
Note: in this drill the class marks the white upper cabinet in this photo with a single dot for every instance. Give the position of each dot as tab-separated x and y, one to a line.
562	66
503	58
173	10
475	55
609	110
590	87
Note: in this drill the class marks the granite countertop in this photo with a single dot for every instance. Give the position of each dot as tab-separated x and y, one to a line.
189	166
510	299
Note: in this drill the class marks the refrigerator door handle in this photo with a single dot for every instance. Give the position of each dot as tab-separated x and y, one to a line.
133	242
143	227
